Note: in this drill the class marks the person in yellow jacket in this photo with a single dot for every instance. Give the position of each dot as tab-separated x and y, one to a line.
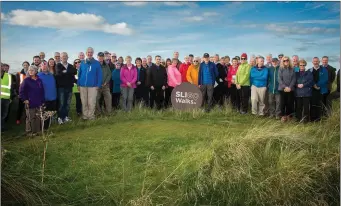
7	93
243	83
193	71
75	89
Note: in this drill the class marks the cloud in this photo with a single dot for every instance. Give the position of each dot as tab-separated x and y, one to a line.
326	21
137	3
3	17
159	51
194	18
311	6
66	20
292	30
210	14
190	4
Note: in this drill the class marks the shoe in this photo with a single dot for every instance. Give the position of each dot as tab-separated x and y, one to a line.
60	121
67	119
242	112
17	122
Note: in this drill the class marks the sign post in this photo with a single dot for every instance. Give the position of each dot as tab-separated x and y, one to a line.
186	96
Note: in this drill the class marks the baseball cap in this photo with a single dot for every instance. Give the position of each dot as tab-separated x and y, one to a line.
244	55
274	59
206	55
280	55
100	54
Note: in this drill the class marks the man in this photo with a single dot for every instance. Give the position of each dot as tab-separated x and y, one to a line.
57	57
42	56
89	81
243	83
183	69
36	61
280	56
65	78
220	91
150	61
157	77
320	88
7	94
268	61
295	63
258	82
81	56
208	73
227	61
331	77
107	57
141	91
104	90
273	93
191	57
336	94
216	59
176	56
113	61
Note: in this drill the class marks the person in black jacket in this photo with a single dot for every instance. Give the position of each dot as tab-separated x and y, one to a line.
65	78
220	91
157	78
141	91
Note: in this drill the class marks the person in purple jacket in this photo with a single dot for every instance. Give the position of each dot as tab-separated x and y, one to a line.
128	78
32	93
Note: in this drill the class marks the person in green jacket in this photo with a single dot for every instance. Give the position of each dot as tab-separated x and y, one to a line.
105	88
243	83
75	89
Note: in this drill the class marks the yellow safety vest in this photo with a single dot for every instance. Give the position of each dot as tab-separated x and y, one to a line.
75	87
6	83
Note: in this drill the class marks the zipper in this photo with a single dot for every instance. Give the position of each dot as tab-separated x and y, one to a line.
274	82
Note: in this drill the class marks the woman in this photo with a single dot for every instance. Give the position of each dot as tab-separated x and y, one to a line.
49	84
163	62
141	90
167	94
184	68
75	90
51	66
168	62
116	91
21	76
231	84
33	96
193	71
121	61
304	84
128	78
286	86
173	77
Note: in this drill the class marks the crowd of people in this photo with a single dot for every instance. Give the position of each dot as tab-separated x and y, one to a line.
280	88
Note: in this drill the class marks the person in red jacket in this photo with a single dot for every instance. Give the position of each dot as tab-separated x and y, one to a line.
231	78
183	69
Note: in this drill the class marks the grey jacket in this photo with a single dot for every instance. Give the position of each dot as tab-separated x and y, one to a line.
286	78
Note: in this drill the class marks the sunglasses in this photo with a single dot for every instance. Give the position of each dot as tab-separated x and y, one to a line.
77	62
302	65
243	58
286	60
113	56
195	61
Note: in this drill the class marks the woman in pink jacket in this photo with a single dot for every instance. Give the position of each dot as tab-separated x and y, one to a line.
173	77
231	84
128	78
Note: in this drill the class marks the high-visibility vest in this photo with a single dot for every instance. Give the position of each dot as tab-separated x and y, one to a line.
6	83
75	87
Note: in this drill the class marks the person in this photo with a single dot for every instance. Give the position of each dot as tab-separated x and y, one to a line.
253	61
89	81
21	76
183	69
220	91
208	74
81	56
121	61
128	78
14	83
320	87
50	91
36	61
193	71
33	94
258	82
168	62
227	61
75	89
331	78
268	61
104	89
216	59
157	77
280	56
116	91
51	66
176	56
191	58
150	61
303	91
231	84
65	78
107	57
141	90
295	63
174	78
7	94
286	87
113	59
273	93
163	62
42	56
243	83
57	57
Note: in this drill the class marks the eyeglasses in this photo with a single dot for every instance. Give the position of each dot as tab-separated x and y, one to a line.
243	58
286	60
302	65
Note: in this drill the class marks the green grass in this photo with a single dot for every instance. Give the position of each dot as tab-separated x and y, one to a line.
177	158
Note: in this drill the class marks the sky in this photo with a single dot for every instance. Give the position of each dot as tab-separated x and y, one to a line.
138	29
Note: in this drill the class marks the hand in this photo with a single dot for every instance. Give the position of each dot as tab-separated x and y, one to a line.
128	84
163	87
220	80
238	86
300	85
152	88
232	81
26	102
138	83
199	86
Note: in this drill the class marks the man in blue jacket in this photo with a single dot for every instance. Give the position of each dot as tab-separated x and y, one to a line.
89	81
208	73
320	75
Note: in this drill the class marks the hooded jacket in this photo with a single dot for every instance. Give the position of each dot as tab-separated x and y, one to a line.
259	76
286	78
243	74
183	70
128	75
273	80
90	74
174	76
192	74
322	80
212	70
231	75
33	91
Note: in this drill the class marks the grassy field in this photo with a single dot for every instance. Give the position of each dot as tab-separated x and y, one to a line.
174	158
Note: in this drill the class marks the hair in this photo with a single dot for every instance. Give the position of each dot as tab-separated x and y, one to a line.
282	64
26	63
168	60
149	56
74	62
325	57
36	57
303	61
227	57
138	59
191	55
261	57
64	53
294	56
234	59
90	48
269	55
222	58
51	68
316	58
175	59
33	67
157	56
128	57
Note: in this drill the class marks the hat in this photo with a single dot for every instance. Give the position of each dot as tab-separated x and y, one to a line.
280	55
206	55
191	55
244	55
106	52
100	54
274	60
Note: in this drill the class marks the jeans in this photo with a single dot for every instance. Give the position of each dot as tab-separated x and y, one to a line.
287	103
4	111
207	90
64	97
128	97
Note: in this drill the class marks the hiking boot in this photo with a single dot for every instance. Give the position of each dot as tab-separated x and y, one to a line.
60	121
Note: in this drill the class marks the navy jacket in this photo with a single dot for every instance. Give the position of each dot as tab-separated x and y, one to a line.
213	71
307	80
323	79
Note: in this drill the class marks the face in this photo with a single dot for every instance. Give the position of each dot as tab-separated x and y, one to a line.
120	60
77	63
57	57
268	58
280	57
107	56
285	61
118	66
196	61
51	63
222	61
316	62
100	58
138	63
81	55
302	66
234	62
243	59
6	68
260	62
275	63
211	59
25	65
325	61
42	56
149	59
64	57
191	59
36	61
157	60
226	60
216	58
295	60
113	58
176	55
144	62
206	59
186	59
128	60
168	63
89	53
32	72
43	67
174	63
